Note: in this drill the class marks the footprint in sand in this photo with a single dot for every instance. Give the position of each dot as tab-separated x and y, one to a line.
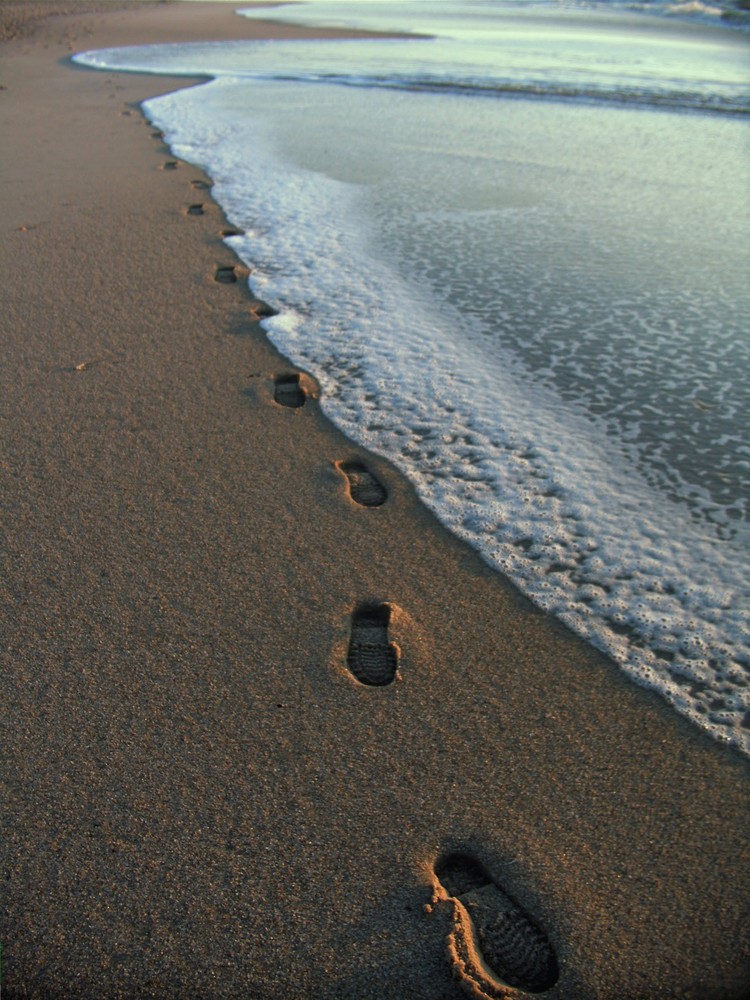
170	165
364	488
372	658
199	185
195	209
288	391
492	935
225	275
261	310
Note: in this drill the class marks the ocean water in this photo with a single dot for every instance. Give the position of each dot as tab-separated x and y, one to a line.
515	256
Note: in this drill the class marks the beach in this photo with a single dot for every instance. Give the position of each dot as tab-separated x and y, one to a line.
200	796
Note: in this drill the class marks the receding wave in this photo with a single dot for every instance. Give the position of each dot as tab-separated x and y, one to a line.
532	304
189	59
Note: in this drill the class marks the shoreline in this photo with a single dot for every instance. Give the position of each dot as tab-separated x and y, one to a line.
197	790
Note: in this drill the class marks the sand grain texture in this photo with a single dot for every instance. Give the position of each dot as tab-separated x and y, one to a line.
199	799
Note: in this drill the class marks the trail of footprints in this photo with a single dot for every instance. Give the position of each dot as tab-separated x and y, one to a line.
495	945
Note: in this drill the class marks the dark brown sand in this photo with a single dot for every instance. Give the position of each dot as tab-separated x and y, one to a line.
199	798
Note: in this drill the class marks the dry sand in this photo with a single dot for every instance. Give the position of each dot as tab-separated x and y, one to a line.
199	798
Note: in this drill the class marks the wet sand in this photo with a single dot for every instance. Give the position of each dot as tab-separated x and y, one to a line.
200	797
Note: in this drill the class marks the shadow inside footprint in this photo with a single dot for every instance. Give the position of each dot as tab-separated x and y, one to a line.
195	210
372	658
288	392
364	488
225	275
513	948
